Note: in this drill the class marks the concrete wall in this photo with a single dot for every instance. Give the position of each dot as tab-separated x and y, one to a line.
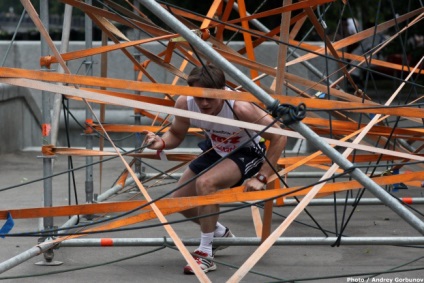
20	119
20	109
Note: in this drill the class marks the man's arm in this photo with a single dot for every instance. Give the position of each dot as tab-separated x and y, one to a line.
248	112
176	133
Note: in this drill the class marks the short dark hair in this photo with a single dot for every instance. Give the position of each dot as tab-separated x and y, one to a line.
208	76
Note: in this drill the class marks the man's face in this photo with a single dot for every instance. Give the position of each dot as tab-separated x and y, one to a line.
209	105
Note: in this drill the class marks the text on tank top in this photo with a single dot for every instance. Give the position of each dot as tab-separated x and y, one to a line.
224	138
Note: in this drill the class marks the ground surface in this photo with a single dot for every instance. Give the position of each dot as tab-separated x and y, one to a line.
166	265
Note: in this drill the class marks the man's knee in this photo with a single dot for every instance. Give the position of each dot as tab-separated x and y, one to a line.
176	194
184	192
205	186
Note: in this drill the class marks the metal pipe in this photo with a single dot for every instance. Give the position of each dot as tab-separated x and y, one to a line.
89	182
48	191
351	201
325	202
47	161
243	241
45	246
289	175
406	145
214	56
358	175
238	241
137	116
57	102
13	38
104	196
22	257
46	116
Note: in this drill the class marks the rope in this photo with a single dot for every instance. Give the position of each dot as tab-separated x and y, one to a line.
288	113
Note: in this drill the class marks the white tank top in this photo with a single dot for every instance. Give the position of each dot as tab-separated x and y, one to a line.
224	138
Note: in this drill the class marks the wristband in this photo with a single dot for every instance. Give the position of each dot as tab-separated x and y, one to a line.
163	145
160	152
261	178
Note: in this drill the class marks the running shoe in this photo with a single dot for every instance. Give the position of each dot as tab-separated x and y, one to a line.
227	234
203	260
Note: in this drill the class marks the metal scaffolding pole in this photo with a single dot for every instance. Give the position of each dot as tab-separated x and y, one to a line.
273	105
360	176
16	260
238	241
100	198
137	115
57	103
339	201
351	201
47	161
47	222
137	119
289	175
48	246
89	184
244	241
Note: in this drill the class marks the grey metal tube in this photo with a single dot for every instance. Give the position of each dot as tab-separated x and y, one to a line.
115	189
244	241
358	175
47	161
89	180
137	116
57	102
405	144
214	56
325	202
41	248
269	101
289	175
48	191
44	17
350	201
104	196
238	241
13	37
22	257
261	27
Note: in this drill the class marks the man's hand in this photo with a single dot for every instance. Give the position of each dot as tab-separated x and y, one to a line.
254	184
154	141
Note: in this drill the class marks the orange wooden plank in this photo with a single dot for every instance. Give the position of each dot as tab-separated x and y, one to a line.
178	204
200	92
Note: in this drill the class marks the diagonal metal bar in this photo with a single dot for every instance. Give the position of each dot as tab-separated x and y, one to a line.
273	105
301	128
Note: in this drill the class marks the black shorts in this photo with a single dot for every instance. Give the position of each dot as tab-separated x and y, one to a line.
248	159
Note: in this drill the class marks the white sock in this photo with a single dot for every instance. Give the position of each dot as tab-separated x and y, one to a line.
206	240
219	230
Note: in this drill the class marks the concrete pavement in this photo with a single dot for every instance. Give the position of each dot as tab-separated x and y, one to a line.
294	262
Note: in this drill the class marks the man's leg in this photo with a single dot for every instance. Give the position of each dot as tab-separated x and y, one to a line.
188	191
223	175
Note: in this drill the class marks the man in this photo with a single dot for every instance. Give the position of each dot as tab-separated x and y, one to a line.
241	165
